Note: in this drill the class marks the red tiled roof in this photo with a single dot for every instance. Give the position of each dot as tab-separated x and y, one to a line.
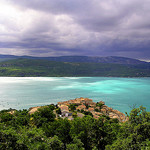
81	107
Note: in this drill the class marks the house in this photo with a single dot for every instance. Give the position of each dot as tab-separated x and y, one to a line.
64	108
66	114
90	109
80	107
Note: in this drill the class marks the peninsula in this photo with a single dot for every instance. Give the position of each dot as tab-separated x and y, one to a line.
80	107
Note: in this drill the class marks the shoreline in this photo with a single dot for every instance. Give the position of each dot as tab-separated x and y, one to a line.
80	106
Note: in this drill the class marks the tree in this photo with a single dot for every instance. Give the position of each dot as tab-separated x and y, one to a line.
6	117
72	107
58	110
60	128
55	144
75	145
100	105
83	129
9	139
74	115
135	133
43	115
20	118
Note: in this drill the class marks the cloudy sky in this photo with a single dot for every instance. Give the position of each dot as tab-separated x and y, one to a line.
75	27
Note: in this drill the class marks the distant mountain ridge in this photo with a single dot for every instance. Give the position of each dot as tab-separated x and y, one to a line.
89	59
25	67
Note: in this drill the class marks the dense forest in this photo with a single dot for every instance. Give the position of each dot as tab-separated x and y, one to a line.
35	67
41	130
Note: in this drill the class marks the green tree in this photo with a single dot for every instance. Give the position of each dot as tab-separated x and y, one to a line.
72	107
60	128
75	145
33	138
9	139
55	144
58	110
6	117
100	105
43	115
20	118
135	133
83	128
74	115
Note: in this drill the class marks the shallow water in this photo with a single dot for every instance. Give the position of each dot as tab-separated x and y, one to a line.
119	93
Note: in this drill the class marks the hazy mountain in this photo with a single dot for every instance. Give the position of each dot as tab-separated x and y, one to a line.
110	59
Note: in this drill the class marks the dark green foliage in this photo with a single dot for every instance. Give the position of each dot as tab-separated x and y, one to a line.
20	118
86	112
58	110
87	106
34	138
74	114
60	127
97	110
81	128
134	134
100	105
55	144
72	107
75	145
6	117
6	110
51	107
9	138
43	115
41	131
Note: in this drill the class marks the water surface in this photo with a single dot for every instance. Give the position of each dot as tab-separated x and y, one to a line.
119	93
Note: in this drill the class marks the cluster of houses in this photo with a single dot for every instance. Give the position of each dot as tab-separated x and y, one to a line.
85	105
88	105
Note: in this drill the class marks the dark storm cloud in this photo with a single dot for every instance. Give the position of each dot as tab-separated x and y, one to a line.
77	27
93	14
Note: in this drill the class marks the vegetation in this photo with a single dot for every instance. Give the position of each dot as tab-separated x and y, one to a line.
86	112
36	67
73	107
99	105
42	131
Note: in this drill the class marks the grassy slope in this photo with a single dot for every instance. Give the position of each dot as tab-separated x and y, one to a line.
30	67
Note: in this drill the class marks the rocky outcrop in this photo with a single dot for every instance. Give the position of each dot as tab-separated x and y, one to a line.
33	109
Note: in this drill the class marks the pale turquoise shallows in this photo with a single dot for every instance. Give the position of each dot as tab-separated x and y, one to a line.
119	93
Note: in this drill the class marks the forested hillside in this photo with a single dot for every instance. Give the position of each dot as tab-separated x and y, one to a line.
42	131
35	67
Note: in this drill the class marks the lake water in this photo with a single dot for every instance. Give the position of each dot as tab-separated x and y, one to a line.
119	93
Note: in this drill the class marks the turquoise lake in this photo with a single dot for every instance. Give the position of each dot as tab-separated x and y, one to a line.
119	93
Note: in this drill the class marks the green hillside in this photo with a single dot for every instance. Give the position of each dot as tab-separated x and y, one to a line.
20	130
36	67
